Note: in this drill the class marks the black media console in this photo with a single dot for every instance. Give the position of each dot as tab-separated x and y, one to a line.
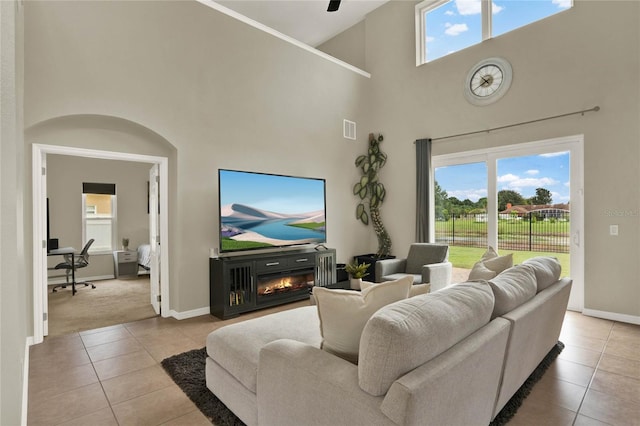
249	282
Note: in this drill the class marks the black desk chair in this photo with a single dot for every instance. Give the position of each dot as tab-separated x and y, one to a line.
73	263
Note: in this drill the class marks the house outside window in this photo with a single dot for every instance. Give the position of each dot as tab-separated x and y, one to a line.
447	26
99	216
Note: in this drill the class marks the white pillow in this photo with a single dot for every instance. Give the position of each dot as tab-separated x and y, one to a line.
344	313
547	269
512	288
490	265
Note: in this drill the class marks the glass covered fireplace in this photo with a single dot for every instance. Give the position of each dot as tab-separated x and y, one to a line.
284	284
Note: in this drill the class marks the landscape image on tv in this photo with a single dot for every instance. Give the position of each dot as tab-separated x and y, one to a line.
260	210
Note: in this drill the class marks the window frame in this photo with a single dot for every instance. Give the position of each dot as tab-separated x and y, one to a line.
422	8
114	224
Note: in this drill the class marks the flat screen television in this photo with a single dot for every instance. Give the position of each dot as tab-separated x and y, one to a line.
260	210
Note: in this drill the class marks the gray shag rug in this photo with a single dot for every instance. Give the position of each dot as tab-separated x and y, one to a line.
187	370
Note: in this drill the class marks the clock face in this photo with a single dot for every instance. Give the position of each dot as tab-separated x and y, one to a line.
488	81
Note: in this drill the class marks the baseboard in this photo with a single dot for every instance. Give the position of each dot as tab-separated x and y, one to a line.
25	381
189	314
631	319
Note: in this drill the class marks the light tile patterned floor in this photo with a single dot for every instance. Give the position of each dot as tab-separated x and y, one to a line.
112	376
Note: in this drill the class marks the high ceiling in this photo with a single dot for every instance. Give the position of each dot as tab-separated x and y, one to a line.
305	20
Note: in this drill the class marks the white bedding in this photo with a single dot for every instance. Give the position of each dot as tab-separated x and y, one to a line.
144	256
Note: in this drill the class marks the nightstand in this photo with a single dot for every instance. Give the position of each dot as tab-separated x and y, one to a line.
125	263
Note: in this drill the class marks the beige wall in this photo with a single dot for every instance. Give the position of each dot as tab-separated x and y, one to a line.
65	175
14	302
221	94
577	59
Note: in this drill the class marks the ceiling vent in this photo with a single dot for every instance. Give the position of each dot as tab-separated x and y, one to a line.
349	130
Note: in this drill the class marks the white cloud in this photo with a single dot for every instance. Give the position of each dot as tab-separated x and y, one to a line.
455	29
532	172
449	13
516	183
430	39
495	9
562	4
470	194
560	198
468	7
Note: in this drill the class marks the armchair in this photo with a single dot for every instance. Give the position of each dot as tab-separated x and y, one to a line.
426	262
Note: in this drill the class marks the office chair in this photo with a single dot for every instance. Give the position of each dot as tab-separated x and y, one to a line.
81	260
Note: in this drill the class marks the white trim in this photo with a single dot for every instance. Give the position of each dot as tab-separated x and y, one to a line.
25	382
39	188
613	316
255	24
190	314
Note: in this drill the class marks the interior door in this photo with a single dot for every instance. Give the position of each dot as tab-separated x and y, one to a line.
154	239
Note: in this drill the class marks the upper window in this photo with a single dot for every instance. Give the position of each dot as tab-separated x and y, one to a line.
446	26
99	216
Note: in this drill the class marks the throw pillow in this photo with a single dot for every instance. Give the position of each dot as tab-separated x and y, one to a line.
344	313
490	265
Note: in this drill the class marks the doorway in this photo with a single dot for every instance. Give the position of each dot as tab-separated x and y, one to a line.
523	198
39	162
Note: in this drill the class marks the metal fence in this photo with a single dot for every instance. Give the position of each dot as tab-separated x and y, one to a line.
541	230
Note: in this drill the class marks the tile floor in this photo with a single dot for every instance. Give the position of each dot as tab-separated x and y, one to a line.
112	375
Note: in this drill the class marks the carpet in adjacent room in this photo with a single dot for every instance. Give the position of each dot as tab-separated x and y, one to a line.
111	302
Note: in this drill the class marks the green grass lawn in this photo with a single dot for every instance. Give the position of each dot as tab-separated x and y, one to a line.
465	257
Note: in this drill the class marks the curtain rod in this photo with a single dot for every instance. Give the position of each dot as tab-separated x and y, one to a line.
594	109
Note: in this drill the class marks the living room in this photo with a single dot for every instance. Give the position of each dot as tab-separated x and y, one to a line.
226	95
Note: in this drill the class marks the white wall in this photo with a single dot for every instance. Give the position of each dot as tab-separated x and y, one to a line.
220	93
577	59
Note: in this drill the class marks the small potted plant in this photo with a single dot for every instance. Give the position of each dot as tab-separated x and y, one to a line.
125	244
357	271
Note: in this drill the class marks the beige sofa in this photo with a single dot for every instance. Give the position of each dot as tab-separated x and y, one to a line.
455	357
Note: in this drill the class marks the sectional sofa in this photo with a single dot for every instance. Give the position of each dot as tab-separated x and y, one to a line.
454	356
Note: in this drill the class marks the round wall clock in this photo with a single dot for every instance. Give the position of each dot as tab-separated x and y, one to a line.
488	81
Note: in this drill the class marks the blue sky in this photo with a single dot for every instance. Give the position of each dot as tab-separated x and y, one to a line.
521	174
457	24
281	194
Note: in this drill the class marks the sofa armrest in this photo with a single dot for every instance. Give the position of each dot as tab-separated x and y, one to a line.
319	388
438	274
389	266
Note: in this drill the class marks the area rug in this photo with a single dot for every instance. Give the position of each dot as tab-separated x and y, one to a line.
187	370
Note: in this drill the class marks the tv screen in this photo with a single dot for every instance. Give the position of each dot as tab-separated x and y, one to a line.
259	210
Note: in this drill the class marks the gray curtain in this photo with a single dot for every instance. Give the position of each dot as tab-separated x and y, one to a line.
423	187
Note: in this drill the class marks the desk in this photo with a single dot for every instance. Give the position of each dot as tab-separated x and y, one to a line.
61	252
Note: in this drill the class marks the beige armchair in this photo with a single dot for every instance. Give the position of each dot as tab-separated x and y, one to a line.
426	262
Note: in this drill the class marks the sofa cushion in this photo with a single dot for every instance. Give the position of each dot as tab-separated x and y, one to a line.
343	313
512	288
481	272
406	334
414	290
236	347
547	270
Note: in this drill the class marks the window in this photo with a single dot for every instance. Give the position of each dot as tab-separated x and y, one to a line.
447	26
99	216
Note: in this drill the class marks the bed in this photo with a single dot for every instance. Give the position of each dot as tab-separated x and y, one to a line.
144	258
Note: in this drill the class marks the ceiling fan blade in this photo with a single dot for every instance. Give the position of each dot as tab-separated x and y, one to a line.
333	5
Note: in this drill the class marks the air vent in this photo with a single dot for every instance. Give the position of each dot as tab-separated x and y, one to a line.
349	129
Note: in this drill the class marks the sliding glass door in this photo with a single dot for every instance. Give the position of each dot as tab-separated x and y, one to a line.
524	199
